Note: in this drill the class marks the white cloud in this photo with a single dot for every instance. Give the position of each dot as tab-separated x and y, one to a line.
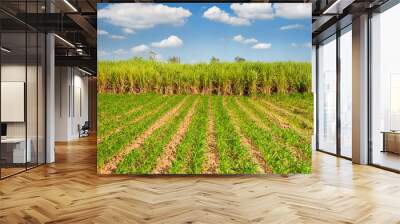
293	10
253	11
140	48
102	53
291	27
216	14
239	38
246	13
128	30
306	45
118	37
250	41
171	41
120	52
262	46
102	32
143	15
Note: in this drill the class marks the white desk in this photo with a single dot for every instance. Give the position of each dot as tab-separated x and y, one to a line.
19	155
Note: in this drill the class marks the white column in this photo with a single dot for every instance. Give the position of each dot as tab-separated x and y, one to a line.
50	100
360	90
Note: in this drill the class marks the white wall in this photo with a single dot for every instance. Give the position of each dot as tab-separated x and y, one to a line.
69	82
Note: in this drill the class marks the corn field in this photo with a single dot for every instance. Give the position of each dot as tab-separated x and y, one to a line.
222	78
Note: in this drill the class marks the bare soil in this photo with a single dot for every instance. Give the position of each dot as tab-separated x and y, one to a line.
164	162
211	166
118	129
112	164
296	152
256	154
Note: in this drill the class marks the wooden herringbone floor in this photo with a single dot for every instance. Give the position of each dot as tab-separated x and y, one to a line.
69	191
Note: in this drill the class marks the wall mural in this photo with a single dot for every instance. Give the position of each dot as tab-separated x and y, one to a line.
211	88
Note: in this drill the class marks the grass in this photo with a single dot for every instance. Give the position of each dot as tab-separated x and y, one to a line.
225	78
143	159
284	150
113	143
190	153
259	109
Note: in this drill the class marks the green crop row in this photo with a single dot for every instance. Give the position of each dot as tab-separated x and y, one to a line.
278	158
143	159
284	118
115	142
233	157
124	118
285	138
190	154
301	104
284	149
225	78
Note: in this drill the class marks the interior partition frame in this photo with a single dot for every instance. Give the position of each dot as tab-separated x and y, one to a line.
44	77
387	5
338	153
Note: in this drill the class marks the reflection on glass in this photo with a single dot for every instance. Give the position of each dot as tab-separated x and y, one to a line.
41	98
22	90
327	96
14	153
346	92
385	92
31	101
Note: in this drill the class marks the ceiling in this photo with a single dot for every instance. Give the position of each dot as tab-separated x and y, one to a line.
73	21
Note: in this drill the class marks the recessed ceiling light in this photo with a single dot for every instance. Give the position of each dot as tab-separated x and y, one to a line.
86	72
70	5
64	40
5	50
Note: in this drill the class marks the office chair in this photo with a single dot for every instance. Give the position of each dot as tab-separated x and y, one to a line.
84	130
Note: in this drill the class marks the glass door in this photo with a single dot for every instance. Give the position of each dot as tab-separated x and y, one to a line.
326	116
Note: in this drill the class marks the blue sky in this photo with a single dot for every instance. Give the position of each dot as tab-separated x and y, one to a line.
196	32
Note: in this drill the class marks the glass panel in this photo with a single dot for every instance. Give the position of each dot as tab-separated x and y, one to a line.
23	89
13	86
31	98
346	92
41	98
327	96
385	89
32	88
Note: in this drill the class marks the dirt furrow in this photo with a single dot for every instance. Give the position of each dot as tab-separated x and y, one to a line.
256	154
169	154
286	112
279	120
296	152
117	130
111	165
211	165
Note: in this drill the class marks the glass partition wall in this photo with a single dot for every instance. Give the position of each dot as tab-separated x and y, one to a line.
334	104
346	95
22	77
327	95
385	89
